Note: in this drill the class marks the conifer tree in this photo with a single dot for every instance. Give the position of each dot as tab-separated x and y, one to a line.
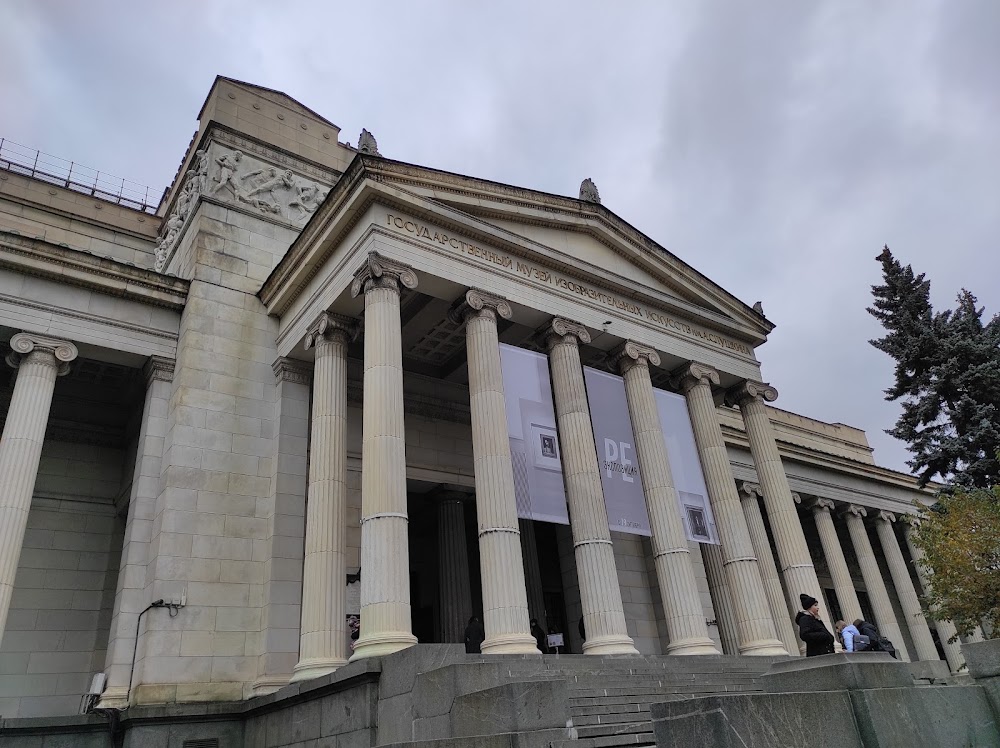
947	377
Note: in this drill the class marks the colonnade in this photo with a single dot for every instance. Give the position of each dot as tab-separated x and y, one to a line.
761	587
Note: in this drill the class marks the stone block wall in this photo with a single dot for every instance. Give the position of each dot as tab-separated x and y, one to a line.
57	630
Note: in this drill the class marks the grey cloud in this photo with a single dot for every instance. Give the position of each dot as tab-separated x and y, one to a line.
773	146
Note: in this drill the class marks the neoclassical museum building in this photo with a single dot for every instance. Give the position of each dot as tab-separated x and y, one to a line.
313	383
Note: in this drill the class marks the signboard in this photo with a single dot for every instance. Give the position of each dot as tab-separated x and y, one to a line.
685	466
624	499
534	443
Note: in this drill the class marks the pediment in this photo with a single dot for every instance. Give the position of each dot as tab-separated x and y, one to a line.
584	240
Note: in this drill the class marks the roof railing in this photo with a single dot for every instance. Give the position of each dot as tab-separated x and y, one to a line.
29	162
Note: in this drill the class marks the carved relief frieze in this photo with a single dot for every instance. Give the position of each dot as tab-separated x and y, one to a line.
232	176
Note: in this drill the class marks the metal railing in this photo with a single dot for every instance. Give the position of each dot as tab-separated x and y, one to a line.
20	159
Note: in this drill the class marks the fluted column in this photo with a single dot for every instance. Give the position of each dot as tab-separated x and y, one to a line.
600	595
789	540
722	600
878	595
323	635
908	601
38	360
685	620
454	587
833	552
385	563
780	614
505	598
753	614
945	629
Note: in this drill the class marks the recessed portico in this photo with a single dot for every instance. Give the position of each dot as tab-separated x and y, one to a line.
612	284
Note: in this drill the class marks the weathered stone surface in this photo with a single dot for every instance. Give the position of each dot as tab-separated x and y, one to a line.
932	717
837	672
932	670
788	720
983	658
512	707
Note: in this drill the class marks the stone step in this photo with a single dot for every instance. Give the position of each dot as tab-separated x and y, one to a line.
615	718
612	681
614	729
660	690
635	740
651	698
624	707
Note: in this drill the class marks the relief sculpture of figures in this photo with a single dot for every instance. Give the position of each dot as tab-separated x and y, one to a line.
267	188
229	164
309	198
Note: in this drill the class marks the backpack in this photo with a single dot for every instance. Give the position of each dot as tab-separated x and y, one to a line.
862	642
874	639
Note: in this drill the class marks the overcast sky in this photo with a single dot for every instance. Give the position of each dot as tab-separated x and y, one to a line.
773	146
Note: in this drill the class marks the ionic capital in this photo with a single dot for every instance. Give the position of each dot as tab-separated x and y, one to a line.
381	272
796	497
693	374
291	370
821	505
630	354
158	368
561	330
43	350
330	328
751	390
911	521
749	490
854	510
886	516
479	303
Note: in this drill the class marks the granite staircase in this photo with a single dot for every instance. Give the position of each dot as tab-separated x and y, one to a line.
609	698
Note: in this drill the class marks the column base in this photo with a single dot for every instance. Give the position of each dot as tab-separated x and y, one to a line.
763	648
697	646
114	697
269	684
510	644
610	645
382	644
314	667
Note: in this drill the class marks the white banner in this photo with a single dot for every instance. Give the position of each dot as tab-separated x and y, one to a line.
624	499
534	443
685	465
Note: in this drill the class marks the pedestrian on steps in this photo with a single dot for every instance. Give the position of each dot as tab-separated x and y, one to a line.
819	641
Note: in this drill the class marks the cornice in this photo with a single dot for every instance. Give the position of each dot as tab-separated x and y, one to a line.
75	267
827	460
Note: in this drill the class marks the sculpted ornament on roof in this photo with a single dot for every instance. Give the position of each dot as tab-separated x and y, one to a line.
232	176
588	191
367	144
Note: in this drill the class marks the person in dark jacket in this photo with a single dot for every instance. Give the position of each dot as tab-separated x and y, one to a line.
878	642
819	641
475	635
539	634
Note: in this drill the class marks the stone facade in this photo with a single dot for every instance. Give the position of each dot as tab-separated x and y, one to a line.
277	403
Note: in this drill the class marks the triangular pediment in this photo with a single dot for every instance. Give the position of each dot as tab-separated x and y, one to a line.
578	238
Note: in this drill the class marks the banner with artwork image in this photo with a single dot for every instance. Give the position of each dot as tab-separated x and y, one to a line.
534	443
624	499
685	466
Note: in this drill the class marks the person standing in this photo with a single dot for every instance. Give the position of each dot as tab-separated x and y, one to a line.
539	634
819	641
475	635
